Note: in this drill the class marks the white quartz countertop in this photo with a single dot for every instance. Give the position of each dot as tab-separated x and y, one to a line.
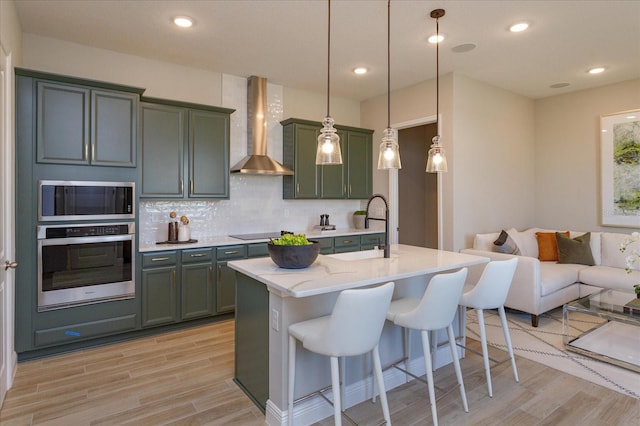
225	240
339	272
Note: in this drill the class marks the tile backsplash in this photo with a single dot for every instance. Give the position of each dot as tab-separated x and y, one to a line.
255	203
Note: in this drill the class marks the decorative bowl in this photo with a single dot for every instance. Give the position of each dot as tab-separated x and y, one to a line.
294	257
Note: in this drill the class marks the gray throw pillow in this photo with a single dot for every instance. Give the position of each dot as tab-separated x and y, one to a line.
576	250
505	244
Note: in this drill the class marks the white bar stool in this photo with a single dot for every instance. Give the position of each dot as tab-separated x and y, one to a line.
436	310
490	293
353	328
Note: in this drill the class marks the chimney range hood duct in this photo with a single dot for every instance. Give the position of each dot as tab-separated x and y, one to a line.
257	162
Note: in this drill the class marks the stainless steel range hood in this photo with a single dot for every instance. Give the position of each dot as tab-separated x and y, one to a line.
257	162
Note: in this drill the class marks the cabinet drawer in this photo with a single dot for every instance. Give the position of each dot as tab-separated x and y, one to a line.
258	250
161	258
326	245
347	241
231	252
372	239
86	330
197	255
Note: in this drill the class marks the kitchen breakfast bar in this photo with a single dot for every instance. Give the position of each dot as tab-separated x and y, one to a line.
269	299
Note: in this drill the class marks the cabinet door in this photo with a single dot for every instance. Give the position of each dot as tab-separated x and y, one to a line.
162	142
305	169
62	123
208	154
196	290
225	288
159	301
359	165
113	128
333	177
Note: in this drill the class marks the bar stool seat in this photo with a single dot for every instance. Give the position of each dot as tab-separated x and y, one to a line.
353	328
436	310
490	293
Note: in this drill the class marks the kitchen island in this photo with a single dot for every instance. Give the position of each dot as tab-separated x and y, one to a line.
270	298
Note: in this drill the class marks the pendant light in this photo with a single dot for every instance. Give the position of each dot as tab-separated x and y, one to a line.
328	151
389	157
437	161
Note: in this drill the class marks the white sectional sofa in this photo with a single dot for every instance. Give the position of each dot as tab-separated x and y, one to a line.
539	286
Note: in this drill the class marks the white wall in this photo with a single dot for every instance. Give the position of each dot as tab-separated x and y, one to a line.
10	31
567	131
493	162
255	203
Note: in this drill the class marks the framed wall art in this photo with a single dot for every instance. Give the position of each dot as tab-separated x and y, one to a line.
620	168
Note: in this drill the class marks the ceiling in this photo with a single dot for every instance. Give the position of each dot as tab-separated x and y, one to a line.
286	40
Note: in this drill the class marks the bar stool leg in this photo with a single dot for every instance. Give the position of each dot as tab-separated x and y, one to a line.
335	387
485	352
507	338
292	379
428	366
377	368
456	366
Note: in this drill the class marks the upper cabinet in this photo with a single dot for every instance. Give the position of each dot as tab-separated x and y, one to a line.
82	125
352	179
184	150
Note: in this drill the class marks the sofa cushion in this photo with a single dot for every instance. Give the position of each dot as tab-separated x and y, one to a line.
609	277
526	241
547	245
485	241
595	244
555	276
505	244
611	254
575	250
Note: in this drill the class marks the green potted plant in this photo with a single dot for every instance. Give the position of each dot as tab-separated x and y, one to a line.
358	219
636	288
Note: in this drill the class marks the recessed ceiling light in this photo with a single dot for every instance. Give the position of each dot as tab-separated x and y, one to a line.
183	21
436	39
596	70
360	70
631	117
520	26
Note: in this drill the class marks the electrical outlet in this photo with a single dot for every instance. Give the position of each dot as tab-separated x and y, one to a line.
275	320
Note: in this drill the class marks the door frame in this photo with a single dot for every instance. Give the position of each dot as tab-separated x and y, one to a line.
394	198
7	193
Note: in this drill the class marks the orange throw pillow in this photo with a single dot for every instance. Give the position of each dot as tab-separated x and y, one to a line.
548	246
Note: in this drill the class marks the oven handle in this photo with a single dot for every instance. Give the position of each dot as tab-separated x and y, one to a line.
85	240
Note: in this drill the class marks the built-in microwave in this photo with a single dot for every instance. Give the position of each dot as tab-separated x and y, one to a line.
85	200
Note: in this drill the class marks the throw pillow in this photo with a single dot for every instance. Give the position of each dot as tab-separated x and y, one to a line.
547	245
505	244
576	250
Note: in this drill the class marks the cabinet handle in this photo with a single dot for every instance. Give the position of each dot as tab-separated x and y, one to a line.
86	151
231	252
211	274
190	187
219	272
159	259
198	255
181	186
350	189
174	279
346	241
93	151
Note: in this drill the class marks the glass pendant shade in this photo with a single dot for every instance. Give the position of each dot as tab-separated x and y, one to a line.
328	151
389	157
437	161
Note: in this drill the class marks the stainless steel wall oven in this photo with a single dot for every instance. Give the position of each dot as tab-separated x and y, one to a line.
85	263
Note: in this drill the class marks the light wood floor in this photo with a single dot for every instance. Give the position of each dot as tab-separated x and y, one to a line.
185	378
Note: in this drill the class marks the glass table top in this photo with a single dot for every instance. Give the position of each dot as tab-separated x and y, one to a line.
620	305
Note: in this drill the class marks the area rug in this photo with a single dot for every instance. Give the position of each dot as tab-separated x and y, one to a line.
545	345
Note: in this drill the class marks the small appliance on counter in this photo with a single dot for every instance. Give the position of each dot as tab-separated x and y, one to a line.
324	224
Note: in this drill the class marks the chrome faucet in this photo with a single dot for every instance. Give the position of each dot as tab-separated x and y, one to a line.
386	247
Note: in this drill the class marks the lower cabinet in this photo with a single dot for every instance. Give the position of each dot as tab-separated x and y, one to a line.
226	277
159	288
197	284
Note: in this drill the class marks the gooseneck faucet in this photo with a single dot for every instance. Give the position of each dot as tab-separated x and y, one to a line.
386	247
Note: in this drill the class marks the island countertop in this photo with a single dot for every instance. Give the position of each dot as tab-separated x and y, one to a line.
337	272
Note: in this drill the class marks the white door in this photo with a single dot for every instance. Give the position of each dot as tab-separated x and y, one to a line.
7	354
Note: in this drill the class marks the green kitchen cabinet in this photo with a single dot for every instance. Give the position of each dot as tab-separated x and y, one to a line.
80	125
371	241
326	245
226	277
159	288
352	179
197	284
184	150
346	243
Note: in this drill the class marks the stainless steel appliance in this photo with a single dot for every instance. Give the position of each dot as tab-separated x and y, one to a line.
85	200
85	263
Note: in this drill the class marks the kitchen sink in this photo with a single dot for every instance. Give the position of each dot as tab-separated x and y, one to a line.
360	255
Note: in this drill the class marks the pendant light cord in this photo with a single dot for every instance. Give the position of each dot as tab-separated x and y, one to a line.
328	53
388	64
437	76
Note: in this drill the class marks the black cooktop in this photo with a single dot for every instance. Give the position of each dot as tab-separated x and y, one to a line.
258	236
